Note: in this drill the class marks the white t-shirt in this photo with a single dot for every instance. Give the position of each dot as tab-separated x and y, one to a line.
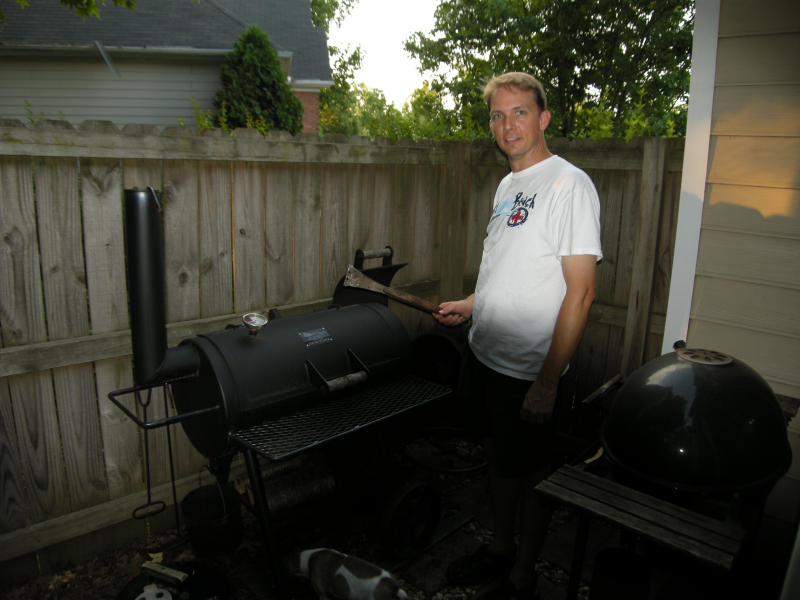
542	213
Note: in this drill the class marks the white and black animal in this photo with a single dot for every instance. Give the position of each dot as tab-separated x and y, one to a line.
338	576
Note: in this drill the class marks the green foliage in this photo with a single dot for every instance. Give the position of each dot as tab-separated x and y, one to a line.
357	110
33	118
82	8
91	8
609	66
592	121
254	88
205	119
336	102
323	12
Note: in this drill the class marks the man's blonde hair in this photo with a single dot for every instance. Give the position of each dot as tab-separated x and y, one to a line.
522	81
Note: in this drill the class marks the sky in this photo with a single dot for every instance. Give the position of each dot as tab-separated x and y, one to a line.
381	27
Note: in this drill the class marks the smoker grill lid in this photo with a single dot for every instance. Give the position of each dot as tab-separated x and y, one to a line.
698	421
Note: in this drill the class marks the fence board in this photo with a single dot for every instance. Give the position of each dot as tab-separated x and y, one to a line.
39	443
34	413
215	249
358	209
611	199
181	245
14	501
334	204
668	221
647	218
250	237
280	225
101	185
182	248
306	246
61	250
21	301
379	211
422	253
627	237
401	218
64	286
452	218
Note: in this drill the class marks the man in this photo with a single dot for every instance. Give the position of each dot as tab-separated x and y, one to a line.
530	306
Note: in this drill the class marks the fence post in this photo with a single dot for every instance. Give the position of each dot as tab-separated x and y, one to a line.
648	212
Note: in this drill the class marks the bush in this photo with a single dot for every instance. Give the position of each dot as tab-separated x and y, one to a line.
254	91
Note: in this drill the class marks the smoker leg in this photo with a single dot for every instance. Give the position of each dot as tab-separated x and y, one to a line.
262	513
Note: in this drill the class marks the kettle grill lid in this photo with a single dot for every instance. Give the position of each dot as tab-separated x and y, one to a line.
700	421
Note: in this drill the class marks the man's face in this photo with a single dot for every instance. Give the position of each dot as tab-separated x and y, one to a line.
518	126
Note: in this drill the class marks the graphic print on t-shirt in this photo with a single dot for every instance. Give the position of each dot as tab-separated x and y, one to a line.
517	210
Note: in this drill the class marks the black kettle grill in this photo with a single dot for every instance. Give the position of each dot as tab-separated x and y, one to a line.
698	421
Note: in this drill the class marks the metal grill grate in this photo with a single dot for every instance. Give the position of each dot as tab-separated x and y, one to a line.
292	434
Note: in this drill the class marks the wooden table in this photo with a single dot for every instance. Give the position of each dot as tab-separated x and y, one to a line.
704	538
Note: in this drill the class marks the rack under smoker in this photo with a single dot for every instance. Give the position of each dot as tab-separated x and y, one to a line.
288	435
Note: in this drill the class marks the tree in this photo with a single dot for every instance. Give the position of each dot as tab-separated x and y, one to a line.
337	103
323	12
354	109
254	91
618	57
82	8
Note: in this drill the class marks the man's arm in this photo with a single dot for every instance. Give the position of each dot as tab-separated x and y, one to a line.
579	273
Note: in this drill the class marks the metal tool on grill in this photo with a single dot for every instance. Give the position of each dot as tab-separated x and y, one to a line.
357	279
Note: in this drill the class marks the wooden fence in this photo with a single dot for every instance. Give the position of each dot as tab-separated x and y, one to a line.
251	222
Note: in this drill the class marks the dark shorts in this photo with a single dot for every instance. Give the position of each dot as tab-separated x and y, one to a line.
491	404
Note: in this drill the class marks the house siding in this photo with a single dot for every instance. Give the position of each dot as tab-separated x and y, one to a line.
746	299
147	92
78	89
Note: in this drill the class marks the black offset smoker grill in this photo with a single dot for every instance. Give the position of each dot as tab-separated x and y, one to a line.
269	388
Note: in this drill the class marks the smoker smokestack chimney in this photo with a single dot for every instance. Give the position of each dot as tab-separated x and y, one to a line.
144	251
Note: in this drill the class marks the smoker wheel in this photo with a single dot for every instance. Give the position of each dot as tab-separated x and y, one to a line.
285	436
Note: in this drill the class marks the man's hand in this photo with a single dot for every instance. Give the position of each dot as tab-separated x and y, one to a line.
537	408
455	312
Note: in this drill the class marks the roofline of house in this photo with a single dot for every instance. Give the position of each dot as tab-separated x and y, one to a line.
92	48
300	85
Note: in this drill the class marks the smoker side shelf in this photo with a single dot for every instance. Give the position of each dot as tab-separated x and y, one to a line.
292	434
